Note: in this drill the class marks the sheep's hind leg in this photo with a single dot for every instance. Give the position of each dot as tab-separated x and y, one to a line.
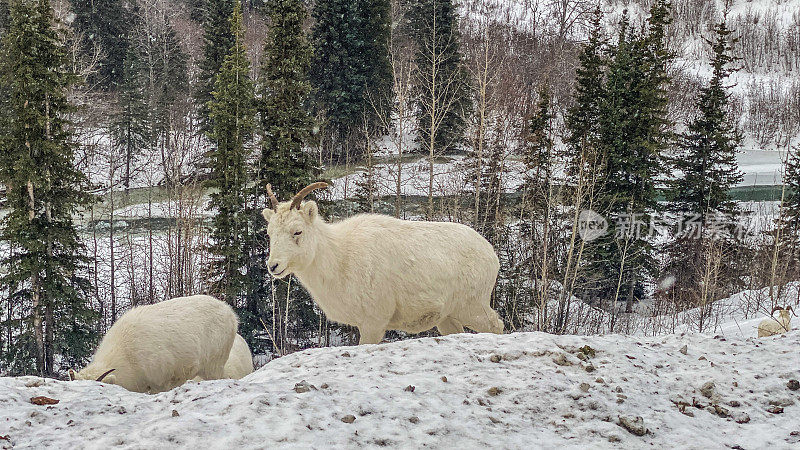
485	320
449	326
370	335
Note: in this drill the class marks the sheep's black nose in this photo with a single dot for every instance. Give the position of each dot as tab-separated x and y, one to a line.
273	267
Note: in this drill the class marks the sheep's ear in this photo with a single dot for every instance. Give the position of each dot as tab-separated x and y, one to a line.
267	213
72	375
309	210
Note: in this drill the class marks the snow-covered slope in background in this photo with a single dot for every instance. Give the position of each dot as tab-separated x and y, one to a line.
521	390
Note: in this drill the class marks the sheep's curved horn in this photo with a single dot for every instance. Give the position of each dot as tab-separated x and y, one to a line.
305	191
272	198
100	378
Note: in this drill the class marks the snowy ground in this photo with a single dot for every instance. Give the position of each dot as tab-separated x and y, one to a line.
522	390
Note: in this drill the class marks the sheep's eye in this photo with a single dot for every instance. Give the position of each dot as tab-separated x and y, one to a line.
298	233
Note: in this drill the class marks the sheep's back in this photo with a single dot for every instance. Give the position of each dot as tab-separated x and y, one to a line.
176	335
417	267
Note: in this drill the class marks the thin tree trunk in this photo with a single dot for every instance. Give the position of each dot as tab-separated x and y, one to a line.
113	281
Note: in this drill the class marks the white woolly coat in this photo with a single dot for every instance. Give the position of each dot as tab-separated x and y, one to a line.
380	273
155	348
240	360
774	326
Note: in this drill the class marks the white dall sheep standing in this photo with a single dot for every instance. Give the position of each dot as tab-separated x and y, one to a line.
379	273
157	347
240	360
773	326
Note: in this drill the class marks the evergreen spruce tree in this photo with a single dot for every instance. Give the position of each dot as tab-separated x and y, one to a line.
232	112
5	18
657	127
583	119
442	87
622	260
197	10
789	220
338	83
492	219
700	198
379	95
130	127
540	215
217	42
537	188
284	162
583	154
538	151
284	109
350	69
170	80
104	24
43	266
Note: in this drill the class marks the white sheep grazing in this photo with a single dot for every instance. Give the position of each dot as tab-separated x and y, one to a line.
240	360
379	273
773	326
157	347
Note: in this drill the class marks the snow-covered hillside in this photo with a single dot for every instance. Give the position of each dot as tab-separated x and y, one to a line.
521	390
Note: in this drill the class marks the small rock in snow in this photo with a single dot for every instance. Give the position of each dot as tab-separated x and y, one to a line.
562	360
634	425
495	358
122	410
494	419
599	380
684	349
742	418
786	401
42	400
175	413
349	418
413	419
793	385
720	411
734	403
303	387
494	391
410	388
584	387
774	409
35	383
588	351
444	379
708	389
590	368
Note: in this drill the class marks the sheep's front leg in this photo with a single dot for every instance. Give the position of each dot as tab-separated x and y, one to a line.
370	335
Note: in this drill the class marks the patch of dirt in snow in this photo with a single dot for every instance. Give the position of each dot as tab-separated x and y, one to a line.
521	390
